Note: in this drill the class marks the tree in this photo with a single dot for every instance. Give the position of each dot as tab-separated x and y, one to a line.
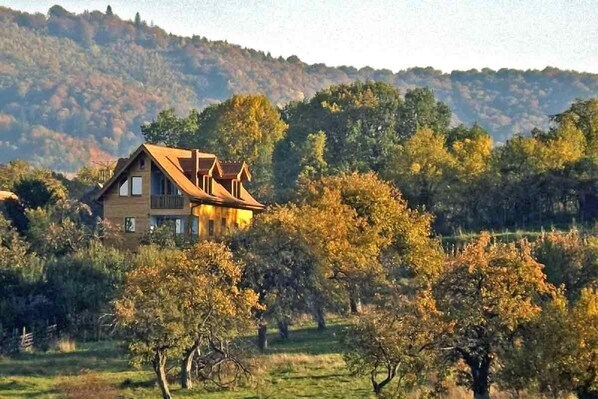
283	269
420	167
174	302
109	10
39	190
570	260
487	293
359	122
221	309
421	110
170	129
583	114
558	353
60	229
244	127
392	342
82	286
137	20
365	235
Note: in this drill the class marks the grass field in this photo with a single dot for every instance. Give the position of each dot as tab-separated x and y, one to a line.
308	365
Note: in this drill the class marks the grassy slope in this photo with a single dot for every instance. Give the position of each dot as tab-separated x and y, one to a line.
310	365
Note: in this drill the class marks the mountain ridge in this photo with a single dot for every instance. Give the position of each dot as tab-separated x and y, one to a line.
76	87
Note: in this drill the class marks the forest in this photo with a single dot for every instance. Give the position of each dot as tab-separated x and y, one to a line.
75	87
384	235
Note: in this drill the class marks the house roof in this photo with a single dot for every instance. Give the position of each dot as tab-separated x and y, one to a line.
177	164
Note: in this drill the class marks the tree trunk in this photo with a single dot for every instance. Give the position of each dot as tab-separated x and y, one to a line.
355	304
283	329
481	381
159	365
320	318
186	366
262	337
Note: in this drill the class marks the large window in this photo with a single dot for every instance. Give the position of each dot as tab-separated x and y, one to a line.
123	189
129	225
211	228
136	185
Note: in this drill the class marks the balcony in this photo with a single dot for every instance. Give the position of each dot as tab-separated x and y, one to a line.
167	202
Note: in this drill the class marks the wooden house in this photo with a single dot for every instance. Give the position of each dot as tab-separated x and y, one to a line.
193	192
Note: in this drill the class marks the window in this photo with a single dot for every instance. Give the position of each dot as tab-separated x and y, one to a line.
123	190
129	225
178	226
142	163
223	224
211	228
136	185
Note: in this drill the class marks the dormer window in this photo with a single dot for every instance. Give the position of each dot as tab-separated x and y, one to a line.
207	184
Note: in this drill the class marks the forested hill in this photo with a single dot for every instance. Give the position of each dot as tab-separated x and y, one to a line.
77	87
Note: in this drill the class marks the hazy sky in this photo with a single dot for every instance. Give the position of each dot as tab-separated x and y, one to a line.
391	34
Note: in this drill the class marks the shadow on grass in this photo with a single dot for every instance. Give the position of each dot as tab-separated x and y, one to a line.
310	341
102	356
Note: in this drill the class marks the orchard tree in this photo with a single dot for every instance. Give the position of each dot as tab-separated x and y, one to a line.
282	268
365	234
218	309
174	302
394	342
558	353
487	293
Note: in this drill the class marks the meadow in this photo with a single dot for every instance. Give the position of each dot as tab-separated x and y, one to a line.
308	365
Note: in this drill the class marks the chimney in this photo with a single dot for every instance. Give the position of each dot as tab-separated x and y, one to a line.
195	165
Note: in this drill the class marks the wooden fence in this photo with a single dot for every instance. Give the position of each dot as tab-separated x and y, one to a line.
24	341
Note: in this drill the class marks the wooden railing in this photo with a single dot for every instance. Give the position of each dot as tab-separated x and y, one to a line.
167	201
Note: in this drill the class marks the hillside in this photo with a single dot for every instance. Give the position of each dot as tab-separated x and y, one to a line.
77	87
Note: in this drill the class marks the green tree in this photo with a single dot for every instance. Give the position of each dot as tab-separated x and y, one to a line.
358	119
39	189
170	129
421	110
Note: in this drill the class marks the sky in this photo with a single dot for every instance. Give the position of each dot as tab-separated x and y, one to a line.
393	34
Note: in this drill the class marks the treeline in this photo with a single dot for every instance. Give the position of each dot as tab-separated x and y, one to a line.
458	174
519	317
78	86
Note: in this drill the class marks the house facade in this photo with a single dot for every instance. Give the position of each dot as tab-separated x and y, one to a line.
193	192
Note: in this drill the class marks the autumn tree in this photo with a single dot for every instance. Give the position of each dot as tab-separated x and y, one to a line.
365	235
420	167
391	344
244	127
570	260
557	354
176	301
283	269
487	293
